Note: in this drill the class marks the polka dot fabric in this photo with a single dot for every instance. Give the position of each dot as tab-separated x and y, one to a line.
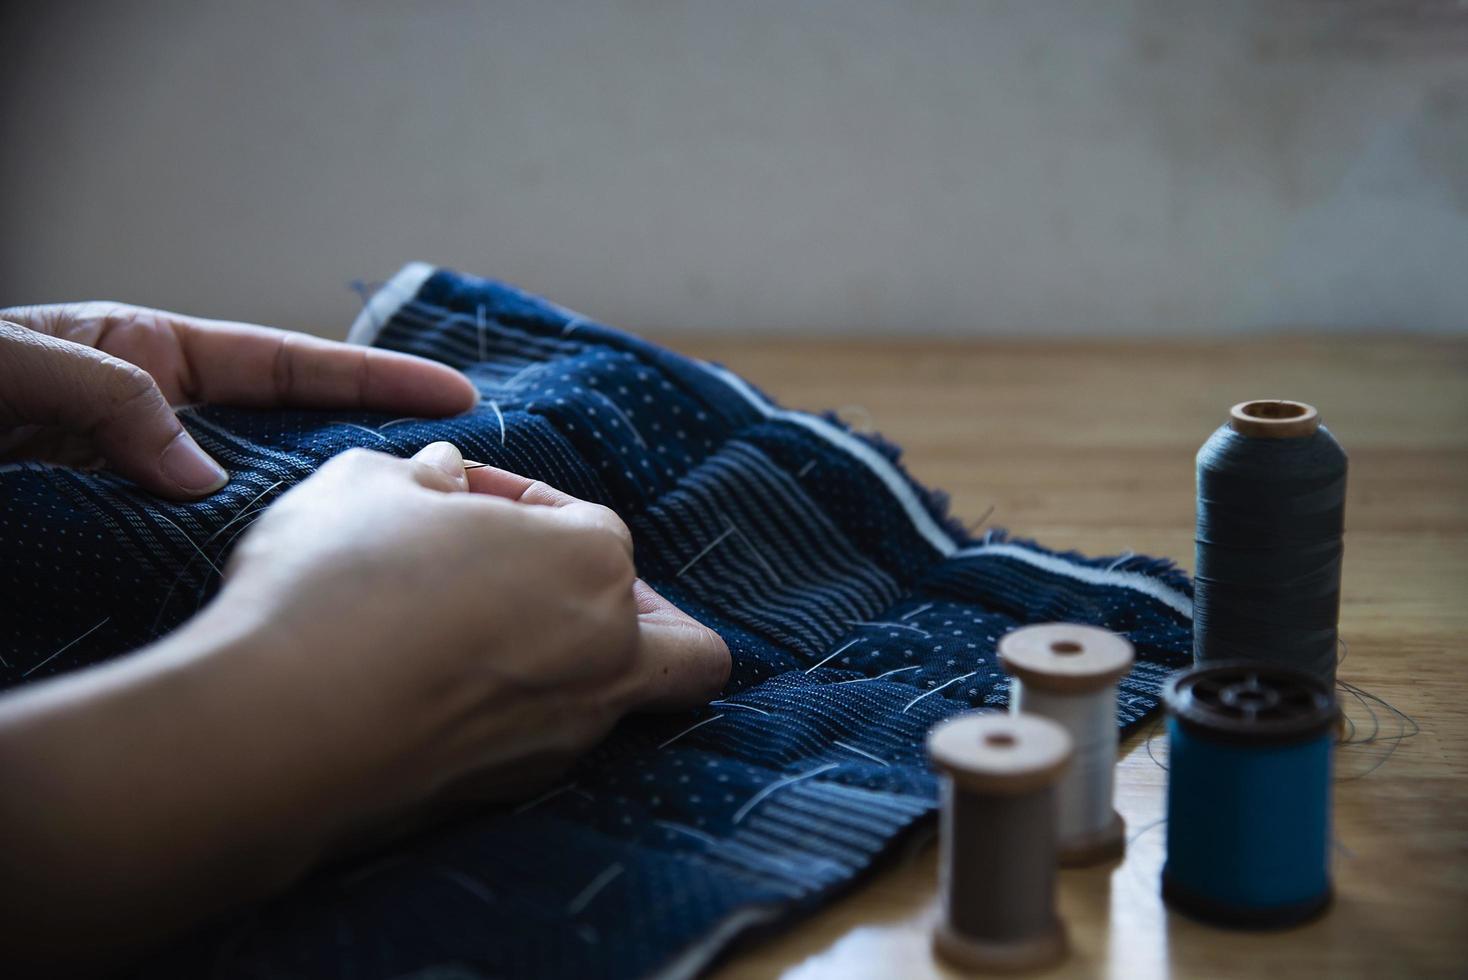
857	615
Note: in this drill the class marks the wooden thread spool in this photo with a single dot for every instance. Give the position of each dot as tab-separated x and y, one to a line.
1068	673
998	840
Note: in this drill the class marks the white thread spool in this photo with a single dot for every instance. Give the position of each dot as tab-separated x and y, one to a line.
1068	673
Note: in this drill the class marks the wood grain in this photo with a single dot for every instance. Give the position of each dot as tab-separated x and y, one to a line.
1090	446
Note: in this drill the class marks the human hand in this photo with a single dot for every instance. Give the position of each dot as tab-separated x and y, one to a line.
450	633
79	380
392	636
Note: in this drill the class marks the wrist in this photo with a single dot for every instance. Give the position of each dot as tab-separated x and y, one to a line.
146	791
321	716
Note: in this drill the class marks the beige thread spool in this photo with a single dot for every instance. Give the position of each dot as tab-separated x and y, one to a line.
1068	673
998	861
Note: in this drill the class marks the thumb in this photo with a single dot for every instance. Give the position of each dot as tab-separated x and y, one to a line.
45	380
440	466
681	663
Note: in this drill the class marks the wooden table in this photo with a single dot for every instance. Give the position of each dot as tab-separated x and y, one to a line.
1090	446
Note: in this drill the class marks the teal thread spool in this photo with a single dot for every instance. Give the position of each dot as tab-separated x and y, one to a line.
1248	795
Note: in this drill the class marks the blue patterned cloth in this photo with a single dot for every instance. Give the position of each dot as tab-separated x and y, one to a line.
857	614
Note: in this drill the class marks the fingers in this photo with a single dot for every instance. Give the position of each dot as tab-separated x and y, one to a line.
48	381
246	365
242	364
571	510
680	662
521	489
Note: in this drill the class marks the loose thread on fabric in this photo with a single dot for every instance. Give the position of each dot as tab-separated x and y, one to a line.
779	784
667	742
361	428
68	646
594	888
499	417
839	650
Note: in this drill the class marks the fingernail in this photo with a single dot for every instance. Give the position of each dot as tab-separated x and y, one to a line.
190	468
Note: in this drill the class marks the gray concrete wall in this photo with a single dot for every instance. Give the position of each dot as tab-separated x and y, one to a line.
1078	167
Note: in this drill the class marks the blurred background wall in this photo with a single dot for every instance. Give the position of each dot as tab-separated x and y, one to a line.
1084	167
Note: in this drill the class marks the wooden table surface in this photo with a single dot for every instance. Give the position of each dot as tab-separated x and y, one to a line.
1090	446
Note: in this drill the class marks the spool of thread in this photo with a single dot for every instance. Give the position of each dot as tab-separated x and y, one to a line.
1271	511
1068	673
998	840
1248	795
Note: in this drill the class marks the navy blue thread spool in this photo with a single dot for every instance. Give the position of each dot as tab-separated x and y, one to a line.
1248	794
1271	511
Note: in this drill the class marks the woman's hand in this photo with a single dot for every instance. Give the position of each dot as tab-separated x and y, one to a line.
495	620
391	634
82	380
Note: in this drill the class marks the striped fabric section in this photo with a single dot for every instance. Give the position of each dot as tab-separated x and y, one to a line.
857	613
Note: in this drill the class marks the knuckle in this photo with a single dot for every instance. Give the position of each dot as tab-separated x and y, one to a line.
114	320
282	368
542	492
591	723
358	456
605	560
357	460
125	384
716	659
610	637
607	518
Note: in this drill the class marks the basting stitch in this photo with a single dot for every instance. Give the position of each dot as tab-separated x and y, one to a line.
67	647
757	798
938	688
736	704
547	795
668	742
371	432
708	839
623	416
706	549
864	680
847	646
590	891
853	748
500	416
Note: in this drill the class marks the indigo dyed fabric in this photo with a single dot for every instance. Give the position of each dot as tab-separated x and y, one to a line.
856	613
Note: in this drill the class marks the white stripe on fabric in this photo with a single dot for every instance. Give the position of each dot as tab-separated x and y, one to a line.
869	801
815	870
756	856
794	831
1145	584
896	484
404	286
385	302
